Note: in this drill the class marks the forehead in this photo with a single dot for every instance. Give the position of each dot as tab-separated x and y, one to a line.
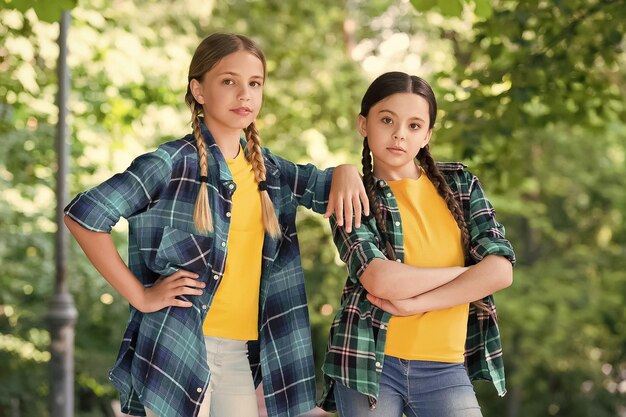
404	105
241	62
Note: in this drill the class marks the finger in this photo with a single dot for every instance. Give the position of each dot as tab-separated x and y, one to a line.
188	291
365	202
339	211
180	303
373	299
330	207
356	205
187	282
347	209
181	273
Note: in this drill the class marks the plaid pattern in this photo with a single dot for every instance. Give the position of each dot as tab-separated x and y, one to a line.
356	345
162	359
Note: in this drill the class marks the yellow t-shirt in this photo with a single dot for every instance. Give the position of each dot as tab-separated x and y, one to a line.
235	308
432	238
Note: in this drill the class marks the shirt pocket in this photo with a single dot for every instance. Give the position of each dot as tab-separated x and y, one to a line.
179	249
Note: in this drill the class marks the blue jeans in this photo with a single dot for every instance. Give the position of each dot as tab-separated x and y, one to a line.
415	388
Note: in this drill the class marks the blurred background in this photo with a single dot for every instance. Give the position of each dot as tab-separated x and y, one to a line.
531	95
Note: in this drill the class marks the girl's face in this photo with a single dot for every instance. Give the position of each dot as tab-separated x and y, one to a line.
396	129
231	93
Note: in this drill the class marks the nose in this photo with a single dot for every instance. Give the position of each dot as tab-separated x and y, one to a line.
399	135
244	93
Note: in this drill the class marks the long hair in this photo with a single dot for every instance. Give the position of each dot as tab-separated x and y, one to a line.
382	87
210	51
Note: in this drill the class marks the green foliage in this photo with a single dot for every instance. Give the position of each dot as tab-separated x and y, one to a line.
47	11
530	94
454	8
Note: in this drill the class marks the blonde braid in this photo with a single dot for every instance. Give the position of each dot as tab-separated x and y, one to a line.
202	211
270	222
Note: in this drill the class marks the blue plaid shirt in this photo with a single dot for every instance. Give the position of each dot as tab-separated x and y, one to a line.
162	360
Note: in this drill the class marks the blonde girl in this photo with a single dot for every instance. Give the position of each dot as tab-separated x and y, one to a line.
214	279
409	335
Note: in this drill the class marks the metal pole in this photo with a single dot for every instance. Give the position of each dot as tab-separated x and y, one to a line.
61	311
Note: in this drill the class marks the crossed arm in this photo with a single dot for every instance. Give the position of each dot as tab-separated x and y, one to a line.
491	274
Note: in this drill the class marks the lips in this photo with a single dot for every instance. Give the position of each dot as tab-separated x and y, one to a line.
242	111
395	149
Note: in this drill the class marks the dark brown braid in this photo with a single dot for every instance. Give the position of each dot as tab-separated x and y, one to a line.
370	188
432	172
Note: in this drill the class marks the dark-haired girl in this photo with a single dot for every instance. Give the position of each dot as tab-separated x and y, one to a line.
417	320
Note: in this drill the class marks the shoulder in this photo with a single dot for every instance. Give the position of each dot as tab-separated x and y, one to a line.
451	166
179	148
453	170
457	175
274	164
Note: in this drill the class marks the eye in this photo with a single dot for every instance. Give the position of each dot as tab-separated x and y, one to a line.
228	81
255	84
386	120
414	126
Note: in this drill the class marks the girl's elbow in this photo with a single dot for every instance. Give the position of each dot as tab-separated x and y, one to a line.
506	274
372	282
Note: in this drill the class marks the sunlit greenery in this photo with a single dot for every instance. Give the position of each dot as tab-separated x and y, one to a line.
531	97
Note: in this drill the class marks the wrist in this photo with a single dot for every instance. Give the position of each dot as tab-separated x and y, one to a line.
139	299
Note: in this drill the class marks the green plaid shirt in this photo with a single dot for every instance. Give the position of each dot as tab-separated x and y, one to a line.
162	360
356	345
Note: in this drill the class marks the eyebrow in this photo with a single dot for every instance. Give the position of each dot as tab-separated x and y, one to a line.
260	77
392	112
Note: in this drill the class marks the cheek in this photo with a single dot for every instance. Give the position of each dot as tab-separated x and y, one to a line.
375	131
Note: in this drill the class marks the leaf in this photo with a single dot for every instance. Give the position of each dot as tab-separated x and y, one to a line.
423	5
483	9
47	11
452	8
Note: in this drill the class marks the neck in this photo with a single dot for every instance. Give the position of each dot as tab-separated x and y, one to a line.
388	173
228	146
225	139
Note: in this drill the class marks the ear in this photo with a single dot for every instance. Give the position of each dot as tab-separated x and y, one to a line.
361	125
427	138
196	91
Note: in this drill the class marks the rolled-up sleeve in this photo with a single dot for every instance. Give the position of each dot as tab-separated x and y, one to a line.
487	235
357	248
124	194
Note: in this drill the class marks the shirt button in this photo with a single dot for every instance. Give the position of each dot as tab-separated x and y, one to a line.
231	186
398	260
228	214
388	194
204	306
382	327
199	389
216	277
223	244
378	364
381	183
397	223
